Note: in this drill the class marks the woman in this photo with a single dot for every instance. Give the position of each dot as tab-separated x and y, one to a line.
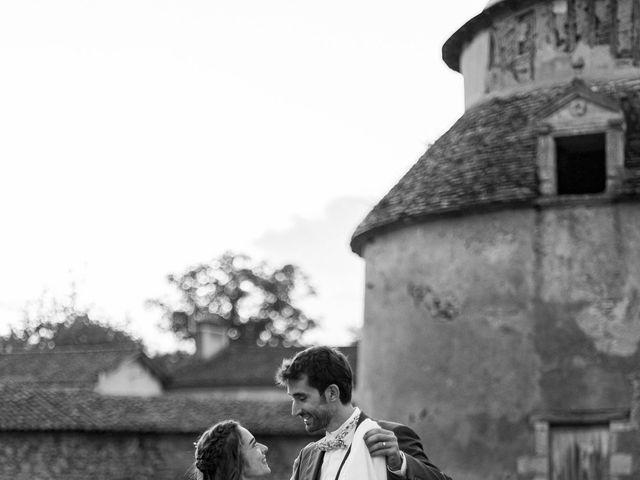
228	451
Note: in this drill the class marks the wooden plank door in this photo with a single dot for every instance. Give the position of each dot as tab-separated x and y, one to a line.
579	452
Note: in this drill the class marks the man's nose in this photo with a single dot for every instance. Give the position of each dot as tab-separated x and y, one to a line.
295	409
263	447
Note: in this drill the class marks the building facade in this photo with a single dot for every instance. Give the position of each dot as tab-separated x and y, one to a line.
111	412
503	270
51	433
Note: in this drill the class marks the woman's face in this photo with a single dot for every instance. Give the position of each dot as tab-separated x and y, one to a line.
254	460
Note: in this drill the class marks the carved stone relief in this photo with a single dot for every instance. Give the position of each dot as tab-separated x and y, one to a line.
603	22
583	17
513	47
578	107
559	10
624	22
550	32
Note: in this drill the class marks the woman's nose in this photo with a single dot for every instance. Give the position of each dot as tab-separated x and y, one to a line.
264	448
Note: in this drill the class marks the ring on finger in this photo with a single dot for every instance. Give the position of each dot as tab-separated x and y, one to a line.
384	444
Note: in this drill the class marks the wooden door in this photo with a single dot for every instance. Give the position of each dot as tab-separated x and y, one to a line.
579	452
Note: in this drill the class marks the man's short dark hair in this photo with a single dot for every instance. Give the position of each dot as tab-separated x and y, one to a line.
323	366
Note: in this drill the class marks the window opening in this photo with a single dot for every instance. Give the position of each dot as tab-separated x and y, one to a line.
581	164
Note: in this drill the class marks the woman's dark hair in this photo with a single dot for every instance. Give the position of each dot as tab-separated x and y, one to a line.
218	452
323	366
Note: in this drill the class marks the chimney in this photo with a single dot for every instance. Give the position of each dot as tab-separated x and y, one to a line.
211	337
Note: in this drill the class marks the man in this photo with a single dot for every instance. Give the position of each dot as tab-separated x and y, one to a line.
319	381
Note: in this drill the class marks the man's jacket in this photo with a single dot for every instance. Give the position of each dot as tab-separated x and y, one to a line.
309	461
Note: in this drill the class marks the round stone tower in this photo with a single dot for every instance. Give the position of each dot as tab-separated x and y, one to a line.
502	301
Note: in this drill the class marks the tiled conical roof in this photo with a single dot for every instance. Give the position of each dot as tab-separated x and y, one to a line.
487	159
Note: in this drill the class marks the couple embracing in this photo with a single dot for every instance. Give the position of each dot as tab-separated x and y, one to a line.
319	381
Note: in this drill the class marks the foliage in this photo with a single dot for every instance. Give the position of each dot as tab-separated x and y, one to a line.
49	323
254	302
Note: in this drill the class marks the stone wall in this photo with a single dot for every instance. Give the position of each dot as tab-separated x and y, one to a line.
117	456
626	463
474	323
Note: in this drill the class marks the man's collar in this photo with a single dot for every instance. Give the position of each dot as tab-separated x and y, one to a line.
341	437
348	425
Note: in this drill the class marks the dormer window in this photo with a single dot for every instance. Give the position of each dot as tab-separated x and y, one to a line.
581	145
581	166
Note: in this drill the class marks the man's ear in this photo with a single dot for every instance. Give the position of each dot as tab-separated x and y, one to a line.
332	393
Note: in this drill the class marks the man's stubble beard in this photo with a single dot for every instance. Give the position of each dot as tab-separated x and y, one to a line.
320	421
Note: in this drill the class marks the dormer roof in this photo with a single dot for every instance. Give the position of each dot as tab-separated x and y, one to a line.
578	90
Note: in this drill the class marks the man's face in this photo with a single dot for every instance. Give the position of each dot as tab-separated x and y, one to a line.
310	405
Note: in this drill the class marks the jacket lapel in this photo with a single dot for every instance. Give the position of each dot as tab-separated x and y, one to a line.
318	456
311	463
363	417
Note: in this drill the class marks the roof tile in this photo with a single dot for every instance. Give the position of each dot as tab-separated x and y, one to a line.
25	408
240	366
67	366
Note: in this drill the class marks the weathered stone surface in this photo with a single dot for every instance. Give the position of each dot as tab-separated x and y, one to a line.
620	464
522	285
533	465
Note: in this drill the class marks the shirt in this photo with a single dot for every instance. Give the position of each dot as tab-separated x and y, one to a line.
333	458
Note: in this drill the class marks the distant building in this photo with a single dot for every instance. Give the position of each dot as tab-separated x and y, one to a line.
108	412
502	301
106	369
238	371
69	433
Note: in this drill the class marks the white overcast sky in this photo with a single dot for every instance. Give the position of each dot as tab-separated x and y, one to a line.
138	137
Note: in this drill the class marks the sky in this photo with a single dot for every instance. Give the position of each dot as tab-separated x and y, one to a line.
139	137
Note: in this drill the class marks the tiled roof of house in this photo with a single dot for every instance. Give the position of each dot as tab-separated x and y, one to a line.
487	159
76	366
25	408
240	366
